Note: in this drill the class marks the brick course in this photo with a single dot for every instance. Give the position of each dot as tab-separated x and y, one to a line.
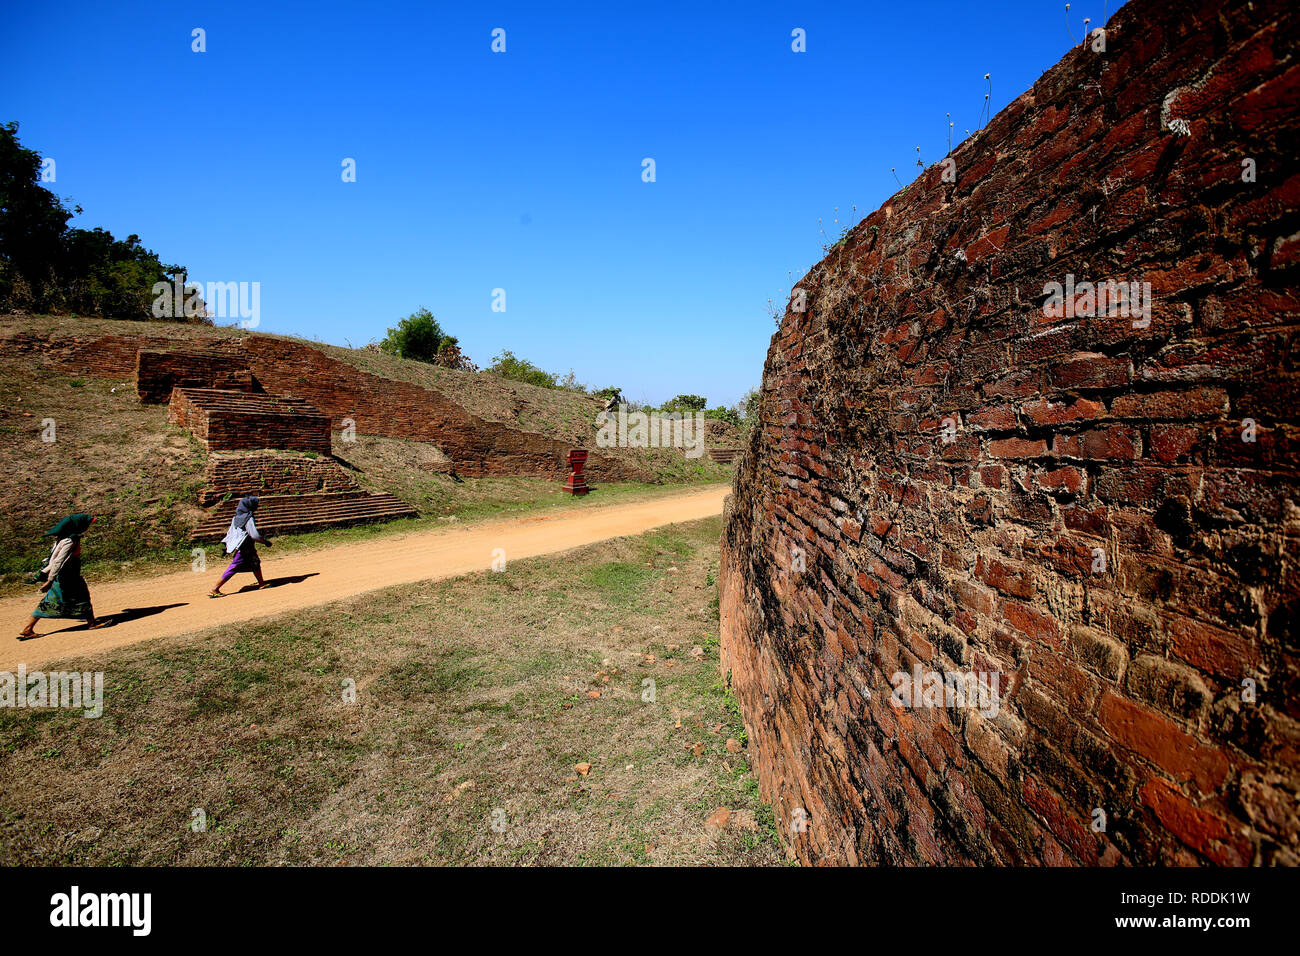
227	421
158	371
235	476
1096	535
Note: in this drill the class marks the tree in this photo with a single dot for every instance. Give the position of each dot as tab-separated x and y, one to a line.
32	220
418	337
47	267
685	403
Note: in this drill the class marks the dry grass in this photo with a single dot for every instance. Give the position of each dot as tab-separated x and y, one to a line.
472	697
112	457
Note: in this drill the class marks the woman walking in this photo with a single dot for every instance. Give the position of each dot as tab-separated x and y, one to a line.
66	594
239	541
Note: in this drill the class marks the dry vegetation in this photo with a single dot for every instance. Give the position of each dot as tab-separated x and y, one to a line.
111	457
470	700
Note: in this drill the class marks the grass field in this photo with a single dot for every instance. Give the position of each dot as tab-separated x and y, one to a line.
476	700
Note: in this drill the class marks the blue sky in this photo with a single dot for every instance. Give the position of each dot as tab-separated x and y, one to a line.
520	171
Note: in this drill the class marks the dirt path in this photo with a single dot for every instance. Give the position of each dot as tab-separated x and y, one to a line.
166	605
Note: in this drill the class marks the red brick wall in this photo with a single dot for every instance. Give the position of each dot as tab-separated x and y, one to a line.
239	475
158	371
378	406
231	421
1124	686
381	406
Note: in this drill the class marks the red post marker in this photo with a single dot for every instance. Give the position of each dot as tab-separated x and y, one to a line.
577	483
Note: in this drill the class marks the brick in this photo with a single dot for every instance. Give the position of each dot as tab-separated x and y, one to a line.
1162	742
1091	370
1099	444
1017	448
1190	403
1015	581
1033	623
1067	479
1204	832
1042	411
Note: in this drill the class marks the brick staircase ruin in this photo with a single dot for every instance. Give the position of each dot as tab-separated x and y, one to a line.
306	493
230	421
158	371
277	514
233	475
724	456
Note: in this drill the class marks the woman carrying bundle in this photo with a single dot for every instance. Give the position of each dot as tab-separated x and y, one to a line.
239	541
66	594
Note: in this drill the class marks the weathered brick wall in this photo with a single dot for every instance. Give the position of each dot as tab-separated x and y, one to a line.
1070	504
378	406
239	475
106	356
231	421
381	406
158	371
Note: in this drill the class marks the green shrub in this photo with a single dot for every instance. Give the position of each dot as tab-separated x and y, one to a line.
418	336
509	366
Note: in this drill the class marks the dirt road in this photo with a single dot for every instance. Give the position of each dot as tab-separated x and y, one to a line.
166	605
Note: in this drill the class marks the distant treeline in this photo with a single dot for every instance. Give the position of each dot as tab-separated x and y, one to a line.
47	267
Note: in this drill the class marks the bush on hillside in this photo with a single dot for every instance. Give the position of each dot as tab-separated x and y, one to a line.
509	366
723	414
685	403
418	337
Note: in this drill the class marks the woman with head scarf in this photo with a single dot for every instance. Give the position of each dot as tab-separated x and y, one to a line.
239	541
66	594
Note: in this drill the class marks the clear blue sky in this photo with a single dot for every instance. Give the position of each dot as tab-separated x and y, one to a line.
519	170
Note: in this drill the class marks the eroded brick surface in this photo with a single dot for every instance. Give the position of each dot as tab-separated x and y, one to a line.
947	477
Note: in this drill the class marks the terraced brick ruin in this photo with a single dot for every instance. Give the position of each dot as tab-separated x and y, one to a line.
370	404
229	420
960	471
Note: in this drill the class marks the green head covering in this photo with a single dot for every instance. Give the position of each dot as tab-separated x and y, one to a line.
71	526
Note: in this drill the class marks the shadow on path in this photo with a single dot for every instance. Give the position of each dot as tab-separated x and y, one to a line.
112	620
279	582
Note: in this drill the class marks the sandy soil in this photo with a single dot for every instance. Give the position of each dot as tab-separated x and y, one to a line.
163	606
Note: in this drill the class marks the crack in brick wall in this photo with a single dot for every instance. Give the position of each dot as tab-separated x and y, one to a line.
948	477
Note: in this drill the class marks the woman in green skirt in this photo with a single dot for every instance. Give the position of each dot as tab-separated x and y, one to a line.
66	594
